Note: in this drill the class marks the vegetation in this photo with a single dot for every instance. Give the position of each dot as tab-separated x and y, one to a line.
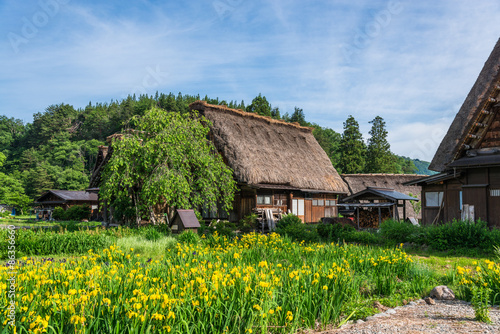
169	160
379	158
58	149
268	283
352	148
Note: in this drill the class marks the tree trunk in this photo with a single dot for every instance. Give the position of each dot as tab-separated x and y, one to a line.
152	217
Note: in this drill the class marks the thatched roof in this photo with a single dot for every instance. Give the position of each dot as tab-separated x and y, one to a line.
265	151
470	124
359	182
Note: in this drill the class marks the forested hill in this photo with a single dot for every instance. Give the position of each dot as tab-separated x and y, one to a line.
58	149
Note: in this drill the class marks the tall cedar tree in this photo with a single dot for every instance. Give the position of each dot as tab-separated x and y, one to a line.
379	158
352	148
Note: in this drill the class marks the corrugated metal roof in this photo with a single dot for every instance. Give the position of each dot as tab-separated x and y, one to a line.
188	218
390	194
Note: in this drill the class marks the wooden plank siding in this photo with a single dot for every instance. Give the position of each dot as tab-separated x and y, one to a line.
479	187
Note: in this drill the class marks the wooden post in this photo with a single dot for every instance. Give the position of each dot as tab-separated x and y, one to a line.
404	209
357	214
379	216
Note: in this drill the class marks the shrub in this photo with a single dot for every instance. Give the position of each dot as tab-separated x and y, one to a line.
76	212
459	234
59	213
396	232
188	237
287	220
334	232
248	223
150	233
291	225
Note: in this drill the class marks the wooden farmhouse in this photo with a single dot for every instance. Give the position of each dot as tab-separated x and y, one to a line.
277	165
65	199
468	158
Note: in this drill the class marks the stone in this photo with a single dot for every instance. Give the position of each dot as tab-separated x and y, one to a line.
390	311
429	301
412	304
442	292
359	321
379	306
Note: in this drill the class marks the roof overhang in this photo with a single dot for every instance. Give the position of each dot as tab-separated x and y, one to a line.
477	161
434	178
287	187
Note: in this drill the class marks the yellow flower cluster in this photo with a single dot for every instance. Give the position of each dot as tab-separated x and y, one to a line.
265	280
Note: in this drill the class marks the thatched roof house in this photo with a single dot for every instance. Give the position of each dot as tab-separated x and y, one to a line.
277	164
468	158
264	151
469	128
359	182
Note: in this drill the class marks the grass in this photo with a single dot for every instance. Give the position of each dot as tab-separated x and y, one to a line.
191	284
141	246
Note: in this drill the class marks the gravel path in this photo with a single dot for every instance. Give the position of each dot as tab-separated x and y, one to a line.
453	316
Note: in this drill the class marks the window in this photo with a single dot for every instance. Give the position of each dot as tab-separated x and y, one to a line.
433	198
495	192
329	202
280	200
264	199
319	202
298	207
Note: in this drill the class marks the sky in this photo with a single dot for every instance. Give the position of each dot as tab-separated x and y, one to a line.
410	62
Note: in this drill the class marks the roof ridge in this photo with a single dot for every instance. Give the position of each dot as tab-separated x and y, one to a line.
240	112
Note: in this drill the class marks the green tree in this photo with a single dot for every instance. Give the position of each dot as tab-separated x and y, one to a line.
329	140
12	190
379	158
352	148
168	160
299	117
260	106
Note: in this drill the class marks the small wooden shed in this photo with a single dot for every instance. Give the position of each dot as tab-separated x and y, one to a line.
184	220
378	198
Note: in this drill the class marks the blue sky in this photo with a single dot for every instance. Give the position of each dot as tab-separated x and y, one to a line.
411	62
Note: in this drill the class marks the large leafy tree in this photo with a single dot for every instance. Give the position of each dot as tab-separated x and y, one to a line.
167	160
11	190
379	156
352	148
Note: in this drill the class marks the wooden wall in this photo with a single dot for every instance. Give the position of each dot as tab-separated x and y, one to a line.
477	188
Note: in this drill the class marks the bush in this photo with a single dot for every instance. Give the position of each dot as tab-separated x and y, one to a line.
396	232
59	213
459	234
76	212
150	233
287	220
248	223
188	237
334	232
291	225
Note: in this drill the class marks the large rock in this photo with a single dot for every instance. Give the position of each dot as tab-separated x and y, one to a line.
442	292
